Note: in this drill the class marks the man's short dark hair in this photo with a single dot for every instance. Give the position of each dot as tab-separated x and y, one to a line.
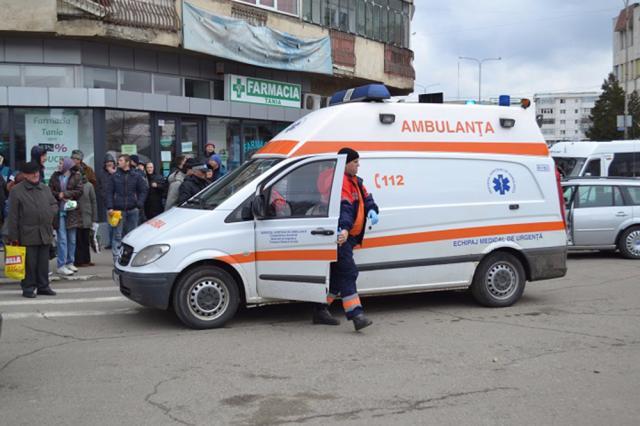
126	157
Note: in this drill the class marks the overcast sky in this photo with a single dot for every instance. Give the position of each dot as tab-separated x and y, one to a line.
545	45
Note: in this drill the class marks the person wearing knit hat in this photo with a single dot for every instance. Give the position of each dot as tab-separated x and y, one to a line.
356	206
67	188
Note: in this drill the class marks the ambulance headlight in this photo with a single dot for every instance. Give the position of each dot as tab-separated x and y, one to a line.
150	254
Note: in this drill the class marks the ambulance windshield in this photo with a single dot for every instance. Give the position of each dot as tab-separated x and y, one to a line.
569	166
231	183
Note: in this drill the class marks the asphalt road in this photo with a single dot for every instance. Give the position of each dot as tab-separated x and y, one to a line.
567	353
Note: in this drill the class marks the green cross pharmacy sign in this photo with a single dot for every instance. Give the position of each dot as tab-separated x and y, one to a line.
264	92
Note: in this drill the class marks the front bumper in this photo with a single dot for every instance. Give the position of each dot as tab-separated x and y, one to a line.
547	263
153	290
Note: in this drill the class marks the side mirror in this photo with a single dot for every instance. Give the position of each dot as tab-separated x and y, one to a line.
258	207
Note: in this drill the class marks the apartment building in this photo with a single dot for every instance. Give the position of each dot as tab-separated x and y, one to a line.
565	116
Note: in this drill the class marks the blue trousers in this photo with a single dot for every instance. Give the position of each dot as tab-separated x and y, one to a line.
342	281
127	224
66	242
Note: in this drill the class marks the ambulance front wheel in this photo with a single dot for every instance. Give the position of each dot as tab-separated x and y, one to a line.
499	280
206	297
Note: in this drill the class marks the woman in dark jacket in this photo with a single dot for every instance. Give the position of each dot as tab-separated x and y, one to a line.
66	185
157	186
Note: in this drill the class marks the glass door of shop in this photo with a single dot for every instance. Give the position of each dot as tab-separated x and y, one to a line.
176	135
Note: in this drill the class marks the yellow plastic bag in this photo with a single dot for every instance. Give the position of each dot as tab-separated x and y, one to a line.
15	262
114	218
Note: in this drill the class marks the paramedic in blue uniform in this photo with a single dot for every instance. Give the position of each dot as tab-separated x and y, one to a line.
356	206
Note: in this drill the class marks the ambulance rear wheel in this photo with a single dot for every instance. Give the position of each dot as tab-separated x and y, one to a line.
499	280
206	297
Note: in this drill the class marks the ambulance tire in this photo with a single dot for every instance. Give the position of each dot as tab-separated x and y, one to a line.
206	297
499	280
629	243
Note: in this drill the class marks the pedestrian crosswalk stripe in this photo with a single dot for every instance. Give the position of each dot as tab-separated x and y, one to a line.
66	290
52	301
62	314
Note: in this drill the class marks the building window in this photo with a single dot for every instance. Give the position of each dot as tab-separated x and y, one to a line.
218	90
197	88
5	146
131	129
100	78
563	111
546	111
577	111
284	6
59	130
10	75
562	101
563	121
48	76
563	132
135	81
167	85
384	20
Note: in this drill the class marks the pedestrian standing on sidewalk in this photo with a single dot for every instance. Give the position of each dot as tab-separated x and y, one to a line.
31	214
66	186
157	186
126	191
174	180
85	170
356	206
104	174
89	211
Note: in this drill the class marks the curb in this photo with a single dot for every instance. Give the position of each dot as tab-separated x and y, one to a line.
55	278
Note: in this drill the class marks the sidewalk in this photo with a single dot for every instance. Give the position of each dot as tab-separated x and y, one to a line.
101	271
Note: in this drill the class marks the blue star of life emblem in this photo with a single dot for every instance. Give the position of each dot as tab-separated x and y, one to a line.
501	184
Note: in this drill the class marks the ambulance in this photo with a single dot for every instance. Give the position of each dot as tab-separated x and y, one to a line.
469	199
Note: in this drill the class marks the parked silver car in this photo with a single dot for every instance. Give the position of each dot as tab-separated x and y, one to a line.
603	214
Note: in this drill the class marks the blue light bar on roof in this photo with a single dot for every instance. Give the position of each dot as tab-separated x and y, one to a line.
368	93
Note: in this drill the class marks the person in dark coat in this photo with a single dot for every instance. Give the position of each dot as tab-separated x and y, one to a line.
31	214
193	183
104	174
126	191
39	157
66	186
157	187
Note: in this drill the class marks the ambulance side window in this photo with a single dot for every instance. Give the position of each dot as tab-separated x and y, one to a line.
303	192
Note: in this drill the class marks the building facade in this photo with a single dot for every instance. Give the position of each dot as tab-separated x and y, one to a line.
626	47
161	78
565	116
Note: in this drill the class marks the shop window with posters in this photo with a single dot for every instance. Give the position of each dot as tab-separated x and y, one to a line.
256	134
59	130
225	135
128	132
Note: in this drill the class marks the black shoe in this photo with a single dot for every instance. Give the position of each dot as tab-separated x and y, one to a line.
360	322
323	316
46	292
29	294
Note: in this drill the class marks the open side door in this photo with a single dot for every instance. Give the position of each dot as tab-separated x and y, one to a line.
296	220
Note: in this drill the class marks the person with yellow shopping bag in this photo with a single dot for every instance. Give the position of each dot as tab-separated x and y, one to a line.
32	209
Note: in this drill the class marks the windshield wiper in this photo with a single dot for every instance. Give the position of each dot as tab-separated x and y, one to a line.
195	202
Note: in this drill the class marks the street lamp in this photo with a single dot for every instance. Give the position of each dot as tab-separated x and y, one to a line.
626	66
479	62
424	88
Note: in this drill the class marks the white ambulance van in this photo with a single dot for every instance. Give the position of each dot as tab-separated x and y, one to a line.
592	158
468	196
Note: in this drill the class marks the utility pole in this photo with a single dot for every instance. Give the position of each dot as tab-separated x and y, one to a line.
480	62
626	67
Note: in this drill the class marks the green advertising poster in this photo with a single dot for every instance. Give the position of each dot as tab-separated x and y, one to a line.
58	133
265	92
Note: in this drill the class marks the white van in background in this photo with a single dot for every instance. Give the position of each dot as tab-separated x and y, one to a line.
586	158
468	197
